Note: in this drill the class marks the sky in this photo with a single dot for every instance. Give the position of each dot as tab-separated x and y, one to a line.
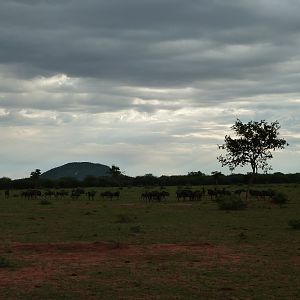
151	86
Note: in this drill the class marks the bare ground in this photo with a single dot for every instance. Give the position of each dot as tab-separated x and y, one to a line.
44	262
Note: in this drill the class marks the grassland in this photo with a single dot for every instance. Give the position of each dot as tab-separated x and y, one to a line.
129	249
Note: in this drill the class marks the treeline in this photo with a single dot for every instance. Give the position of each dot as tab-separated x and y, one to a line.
193	178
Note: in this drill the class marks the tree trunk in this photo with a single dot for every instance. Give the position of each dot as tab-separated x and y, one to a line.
250	182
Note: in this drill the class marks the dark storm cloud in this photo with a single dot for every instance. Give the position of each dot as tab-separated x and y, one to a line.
146	42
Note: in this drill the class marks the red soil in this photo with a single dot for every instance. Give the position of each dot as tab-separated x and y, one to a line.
42	262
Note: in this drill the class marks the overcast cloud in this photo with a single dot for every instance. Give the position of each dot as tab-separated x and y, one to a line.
149	85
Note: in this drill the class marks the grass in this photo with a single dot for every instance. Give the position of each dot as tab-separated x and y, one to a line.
4	262
247	254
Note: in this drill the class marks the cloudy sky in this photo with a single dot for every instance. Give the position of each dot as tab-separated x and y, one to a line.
149	85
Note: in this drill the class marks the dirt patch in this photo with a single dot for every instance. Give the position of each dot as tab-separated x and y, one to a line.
71	247
296	260
206	254
28	276
182	247
44	262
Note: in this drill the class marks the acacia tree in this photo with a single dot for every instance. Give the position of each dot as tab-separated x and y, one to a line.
35	174
252	146
115	171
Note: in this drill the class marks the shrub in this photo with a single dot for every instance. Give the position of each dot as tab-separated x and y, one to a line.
231	203
295	224
279	198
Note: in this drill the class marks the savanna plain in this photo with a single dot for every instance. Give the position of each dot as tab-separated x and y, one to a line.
127	248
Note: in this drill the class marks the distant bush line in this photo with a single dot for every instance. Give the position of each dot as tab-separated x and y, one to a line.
193	178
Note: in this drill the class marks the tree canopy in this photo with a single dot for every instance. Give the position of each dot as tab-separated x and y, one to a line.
115	171
35	174
252	146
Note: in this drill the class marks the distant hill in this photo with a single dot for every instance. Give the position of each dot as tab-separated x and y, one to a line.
78	170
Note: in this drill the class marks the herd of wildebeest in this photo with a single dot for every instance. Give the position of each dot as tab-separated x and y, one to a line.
185	194
74	194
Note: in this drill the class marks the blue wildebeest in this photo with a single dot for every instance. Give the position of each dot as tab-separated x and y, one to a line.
189	195
75	194
91	195
110	195
49	193
239	192
154	196
61	194
30	194
262	194
217	192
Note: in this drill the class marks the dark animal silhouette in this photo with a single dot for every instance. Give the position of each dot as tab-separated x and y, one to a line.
91	195
110	195
189	195
31	194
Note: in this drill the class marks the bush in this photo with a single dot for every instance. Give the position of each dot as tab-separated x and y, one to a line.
279	198
231	203
295	224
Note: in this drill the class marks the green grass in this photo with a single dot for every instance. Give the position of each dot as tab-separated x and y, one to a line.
268	249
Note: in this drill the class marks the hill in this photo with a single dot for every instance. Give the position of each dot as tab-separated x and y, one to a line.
78	170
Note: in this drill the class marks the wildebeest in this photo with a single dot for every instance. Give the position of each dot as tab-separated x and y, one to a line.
197	195
239	192
164	194
212	193
151	195
7	194
75	194
91	195
217	192
189	195
110	195
184	194
262	194
49	193
154	195
61	193
30	194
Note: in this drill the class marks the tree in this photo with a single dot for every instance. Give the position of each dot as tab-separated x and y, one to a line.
198	173
35	174
149	175
253	146
216	175
115	171
34	177
5	183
